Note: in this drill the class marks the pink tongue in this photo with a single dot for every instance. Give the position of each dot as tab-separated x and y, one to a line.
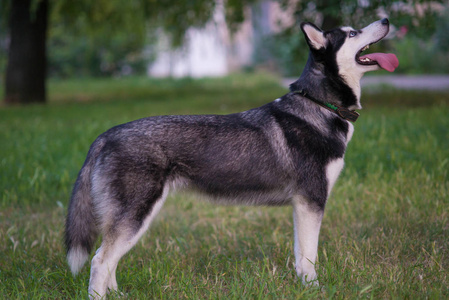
387	61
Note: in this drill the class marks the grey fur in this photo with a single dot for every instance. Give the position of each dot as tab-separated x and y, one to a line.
289	151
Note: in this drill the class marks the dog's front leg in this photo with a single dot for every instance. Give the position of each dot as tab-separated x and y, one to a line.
307	222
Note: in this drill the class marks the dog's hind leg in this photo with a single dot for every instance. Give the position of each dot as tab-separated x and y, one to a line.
117	241
307	222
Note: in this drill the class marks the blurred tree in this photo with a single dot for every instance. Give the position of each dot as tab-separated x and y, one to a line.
25	73
100	19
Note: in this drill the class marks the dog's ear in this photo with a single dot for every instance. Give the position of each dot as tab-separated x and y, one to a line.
314	36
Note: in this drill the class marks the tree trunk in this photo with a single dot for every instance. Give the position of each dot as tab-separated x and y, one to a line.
27	59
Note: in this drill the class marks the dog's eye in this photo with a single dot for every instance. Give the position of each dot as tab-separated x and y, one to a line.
352	33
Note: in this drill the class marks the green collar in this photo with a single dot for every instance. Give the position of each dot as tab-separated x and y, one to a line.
342	112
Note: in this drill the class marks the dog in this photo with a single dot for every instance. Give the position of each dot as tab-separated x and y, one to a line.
287	152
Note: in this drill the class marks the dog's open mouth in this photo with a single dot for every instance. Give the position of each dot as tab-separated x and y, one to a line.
387	61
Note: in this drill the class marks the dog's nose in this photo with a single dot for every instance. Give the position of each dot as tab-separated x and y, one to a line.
385	21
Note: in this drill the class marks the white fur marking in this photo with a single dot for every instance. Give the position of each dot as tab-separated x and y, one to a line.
76	259
333	170
350	133
347	28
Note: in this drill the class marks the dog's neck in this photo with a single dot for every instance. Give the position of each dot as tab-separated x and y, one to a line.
343	112
326	85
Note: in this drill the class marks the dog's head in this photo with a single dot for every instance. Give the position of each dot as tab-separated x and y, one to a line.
339	51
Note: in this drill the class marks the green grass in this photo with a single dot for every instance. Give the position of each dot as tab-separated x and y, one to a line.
384	234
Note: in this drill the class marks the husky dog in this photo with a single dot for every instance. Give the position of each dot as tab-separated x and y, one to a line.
287	152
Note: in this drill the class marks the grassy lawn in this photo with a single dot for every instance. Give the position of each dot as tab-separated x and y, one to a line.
385	232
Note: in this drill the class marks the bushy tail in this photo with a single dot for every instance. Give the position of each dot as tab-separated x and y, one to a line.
81	230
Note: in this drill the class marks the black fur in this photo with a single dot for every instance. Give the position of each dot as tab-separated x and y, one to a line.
320	77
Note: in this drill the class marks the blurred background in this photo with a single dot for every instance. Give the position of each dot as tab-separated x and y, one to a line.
64	39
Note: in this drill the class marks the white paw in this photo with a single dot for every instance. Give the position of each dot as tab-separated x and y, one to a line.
310	280
308	275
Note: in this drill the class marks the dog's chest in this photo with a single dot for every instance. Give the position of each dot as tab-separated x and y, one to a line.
334	167
350	133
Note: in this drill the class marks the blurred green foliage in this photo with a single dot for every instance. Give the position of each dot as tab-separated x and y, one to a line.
107	38
422	49
72	52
